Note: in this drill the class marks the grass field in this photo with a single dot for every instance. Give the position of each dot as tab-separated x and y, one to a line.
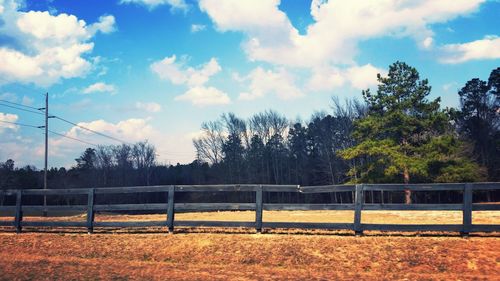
232	254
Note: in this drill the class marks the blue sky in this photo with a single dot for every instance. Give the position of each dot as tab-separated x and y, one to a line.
156	69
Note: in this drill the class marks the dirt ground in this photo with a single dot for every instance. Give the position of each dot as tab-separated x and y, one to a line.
237	254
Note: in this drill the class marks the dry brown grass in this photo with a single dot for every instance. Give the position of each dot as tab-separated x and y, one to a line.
121	255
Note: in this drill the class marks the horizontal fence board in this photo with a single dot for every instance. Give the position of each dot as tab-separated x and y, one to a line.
327	188
304	207
485	227
486	207
215	223
7	208
415	187
214	206
7	223
485	185
131	189
415	207
130	207
280	188
308	225
65	191
412	227
8	192
54	223
214	188
129	223
55	208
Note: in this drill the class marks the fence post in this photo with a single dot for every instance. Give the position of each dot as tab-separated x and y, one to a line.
19	211
358	206
171	209
467	210
258	209
90	211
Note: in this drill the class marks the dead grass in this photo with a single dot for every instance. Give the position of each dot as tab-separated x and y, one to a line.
120	255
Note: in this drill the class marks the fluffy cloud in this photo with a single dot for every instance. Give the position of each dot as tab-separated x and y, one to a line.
5	118
47	48
337	29
204	96
152	107
151	4
100	87
197	27
178	73
487	48
264	82
194	77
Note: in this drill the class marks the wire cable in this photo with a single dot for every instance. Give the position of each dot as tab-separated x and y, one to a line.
52	132
18	108
90	130
20	104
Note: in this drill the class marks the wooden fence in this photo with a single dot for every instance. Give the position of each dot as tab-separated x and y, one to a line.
170	208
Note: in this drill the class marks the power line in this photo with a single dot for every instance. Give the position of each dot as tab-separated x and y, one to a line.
55	133
20	124
18	108
75	139
20	104
90	130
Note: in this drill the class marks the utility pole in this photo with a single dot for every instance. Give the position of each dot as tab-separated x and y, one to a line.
46	151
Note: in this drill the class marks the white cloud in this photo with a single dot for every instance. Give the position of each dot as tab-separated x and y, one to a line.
264	82
204	96
100	87
337	29
152	107
5	118
49	47
487	48
178	73
362	77
151	4
197	27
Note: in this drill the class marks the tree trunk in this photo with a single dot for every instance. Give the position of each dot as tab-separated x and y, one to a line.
406	176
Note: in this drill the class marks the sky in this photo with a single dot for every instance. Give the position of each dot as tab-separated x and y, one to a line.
156	69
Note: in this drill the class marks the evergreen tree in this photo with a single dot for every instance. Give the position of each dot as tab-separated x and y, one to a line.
405	137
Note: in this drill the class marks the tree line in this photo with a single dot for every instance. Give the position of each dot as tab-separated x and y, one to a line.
394	135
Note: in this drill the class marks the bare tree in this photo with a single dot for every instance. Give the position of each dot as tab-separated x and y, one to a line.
209	145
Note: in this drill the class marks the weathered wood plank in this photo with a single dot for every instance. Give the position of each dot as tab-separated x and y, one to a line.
280	188
6	223
485	228
358	206
214	206
90	210
131	207
132	189
414	187
170	208
258	210
308	225
486	207
326	188
129	223
467	209
416	207
66	191
19	211
485	185
214	188
214	223
305	207
55	223
7	208
55	208
413	227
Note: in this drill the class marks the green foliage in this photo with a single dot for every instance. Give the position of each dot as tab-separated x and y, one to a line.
406	137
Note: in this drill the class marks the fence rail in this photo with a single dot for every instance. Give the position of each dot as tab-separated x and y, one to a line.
258	206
